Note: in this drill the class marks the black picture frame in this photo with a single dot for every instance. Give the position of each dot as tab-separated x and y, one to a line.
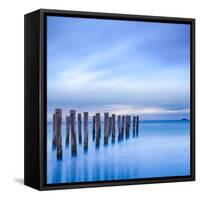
35	98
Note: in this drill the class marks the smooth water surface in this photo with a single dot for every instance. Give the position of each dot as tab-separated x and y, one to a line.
162	149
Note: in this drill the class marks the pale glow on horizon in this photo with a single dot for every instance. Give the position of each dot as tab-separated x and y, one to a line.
123	110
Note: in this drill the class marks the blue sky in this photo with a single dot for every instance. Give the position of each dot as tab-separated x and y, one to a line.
122	67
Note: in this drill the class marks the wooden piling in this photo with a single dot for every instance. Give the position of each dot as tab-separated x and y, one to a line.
137	125
54	131
109	126
98	129
79	128
106	126
93	128
85	116
67	129
134	122
58	133
73	132
123	126
128	126
113	128
119	125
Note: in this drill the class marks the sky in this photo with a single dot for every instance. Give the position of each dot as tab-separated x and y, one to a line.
121	67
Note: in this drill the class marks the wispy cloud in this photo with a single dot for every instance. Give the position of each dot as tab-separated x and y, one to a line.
128	109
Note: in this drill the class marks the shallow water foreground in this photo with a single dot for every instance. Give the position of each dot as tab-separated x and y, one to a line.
162	149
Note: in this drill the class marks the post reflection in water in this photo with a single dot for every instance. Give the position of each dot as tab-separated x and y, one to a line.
58	176
85	167
97	169
73	169
105	163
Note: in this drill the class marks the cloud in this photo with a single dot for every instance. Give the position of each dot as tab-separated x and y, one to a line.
128	109
110	65
95	86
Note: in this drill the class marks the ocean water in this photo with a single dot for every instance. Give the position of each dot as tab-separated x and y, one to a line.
162	149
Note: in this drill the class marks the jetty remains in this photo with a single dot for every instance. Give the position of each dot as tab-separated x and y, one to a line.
79	132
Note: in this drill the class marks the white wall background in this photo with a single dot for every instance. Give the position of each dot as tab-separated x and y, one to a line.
11	98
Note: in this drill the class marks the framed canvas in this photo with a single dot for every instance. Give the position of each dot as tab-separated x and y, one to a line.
109	99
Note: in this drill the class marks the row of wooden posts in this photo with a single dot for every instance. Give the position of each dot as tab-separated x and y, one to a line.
123	125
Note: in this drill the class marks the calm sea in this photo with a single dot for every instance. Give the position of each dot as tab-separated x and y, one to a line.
162	149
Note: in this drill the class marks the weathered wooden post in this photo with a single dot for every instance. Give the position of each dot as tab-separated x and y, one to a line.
79	128
54	131
106	118
109	126
134	121
137	125
93	128
67	129
123	126
58	127
113	128
73	132
119	127
98	129
85	115
100	124
127	126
